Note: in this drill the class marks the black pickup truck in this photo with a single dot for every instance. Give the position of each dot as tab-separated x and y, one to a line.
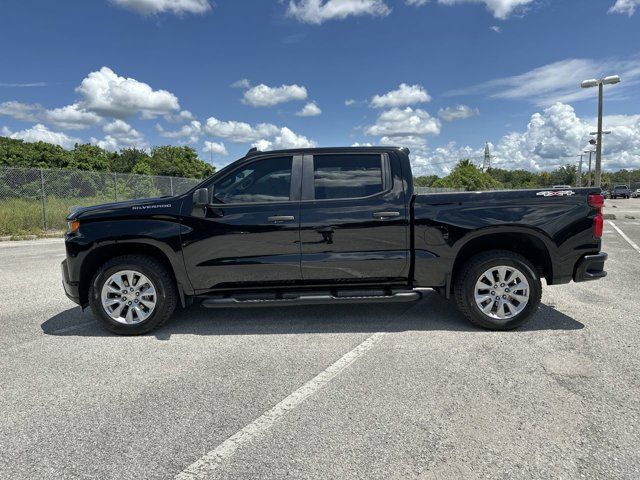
329	225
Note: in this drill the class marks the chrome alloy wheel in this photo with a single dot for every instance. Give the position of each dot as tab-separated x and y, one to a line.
502	292
128	297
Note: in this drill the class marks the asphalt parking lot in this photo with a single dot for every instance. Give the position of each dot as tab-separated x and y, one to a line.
394	392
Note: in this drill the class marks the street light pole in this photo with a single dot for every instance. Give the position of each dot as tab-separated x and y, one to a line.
589	177
579	182
610	80
599	138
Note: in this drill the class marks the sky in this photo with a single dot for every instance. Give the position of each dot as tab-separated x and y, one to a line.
441	77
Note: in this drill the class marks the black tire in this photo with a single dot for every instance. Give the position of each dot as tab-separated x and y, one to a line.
469	274
166	295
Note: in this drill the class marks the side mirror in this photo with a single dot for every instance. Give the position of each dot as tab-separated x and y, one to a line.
201	197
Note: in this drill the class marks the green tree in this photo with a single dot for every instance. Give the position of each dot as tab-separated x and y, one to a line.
17	153
167	160
424	181
178	161
90	157
466	175
565	175
127	159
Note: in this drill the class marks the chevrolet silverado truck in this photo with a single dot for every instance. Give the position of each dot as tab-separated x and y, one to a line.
329	225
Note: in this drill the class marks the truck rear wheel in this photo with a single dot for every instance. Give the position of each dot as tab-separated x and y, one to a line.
132	294
498	290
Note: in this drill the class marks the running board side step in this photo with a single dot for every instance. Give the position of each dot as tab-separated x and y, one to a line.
310	300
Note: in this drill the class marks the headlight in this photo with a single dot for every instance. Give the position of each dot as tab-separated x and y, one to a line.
73	226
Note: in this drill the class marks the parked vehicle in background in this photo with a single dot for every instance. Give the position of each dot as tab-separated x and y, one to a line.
620	191
606	194
636	193
329	225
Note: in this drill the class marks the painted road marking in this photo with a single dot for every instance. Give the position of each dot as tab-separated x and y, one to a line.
203	467
623	235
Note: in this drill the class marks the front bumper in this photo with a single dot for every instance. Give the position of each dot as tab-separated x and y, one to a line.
70	288
590	267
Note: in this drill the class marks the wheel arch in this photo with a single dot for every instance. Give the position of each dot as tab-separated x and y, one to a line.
525	243
99	256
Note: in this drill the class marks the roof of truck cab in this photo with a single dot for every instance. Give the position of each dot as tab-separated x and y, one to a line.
362	149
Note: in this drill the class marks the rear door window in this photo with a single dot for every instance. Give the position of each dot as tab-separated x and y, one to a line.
347	176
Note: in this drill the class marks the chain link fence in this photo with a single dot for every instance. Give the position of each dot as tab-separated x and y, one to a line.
34	199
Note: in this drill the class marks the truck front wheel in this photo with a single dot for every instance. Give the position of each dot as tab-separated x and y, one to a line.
132	294
498	290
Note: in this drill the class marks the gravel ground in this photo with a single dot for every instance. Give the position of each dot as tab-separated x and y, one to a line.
432	397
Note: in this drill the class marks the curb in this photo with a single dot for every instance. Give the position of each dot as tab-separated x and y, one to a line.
16	238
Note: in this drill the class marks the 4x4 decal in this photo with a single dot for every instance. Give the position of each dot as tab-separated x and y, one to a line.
556	193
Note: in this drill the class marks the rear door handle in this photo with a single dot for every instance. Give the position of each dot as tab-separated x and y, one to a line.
281	218
386	214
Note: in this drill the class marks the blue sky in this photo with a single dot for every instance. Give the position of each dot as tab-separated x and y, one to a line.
440	76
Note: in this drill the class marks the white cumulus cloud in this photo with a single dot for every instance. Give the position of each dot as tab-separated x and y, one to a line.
286	138
264	96
242	83
404	95
238	132
108	94
178	7
71	117
40	133
627	7
403	122
319	11
21	111
309	110
500	9
215	147
459	112
183	116
120	135
190	131
552	138
410	141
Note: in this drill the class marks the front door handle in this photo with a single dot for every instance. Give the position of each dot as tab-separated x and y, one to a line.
281	218
386	214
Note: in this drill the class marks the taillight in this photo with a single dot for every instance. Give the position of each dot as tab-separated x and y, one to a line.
597	201
598	223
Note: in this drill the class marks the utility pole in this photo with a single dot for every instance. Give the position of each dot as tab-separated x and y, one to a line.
579	182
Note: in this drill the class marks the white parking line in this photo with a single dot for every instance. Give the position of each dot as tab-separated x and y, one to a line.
623	235
203	467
